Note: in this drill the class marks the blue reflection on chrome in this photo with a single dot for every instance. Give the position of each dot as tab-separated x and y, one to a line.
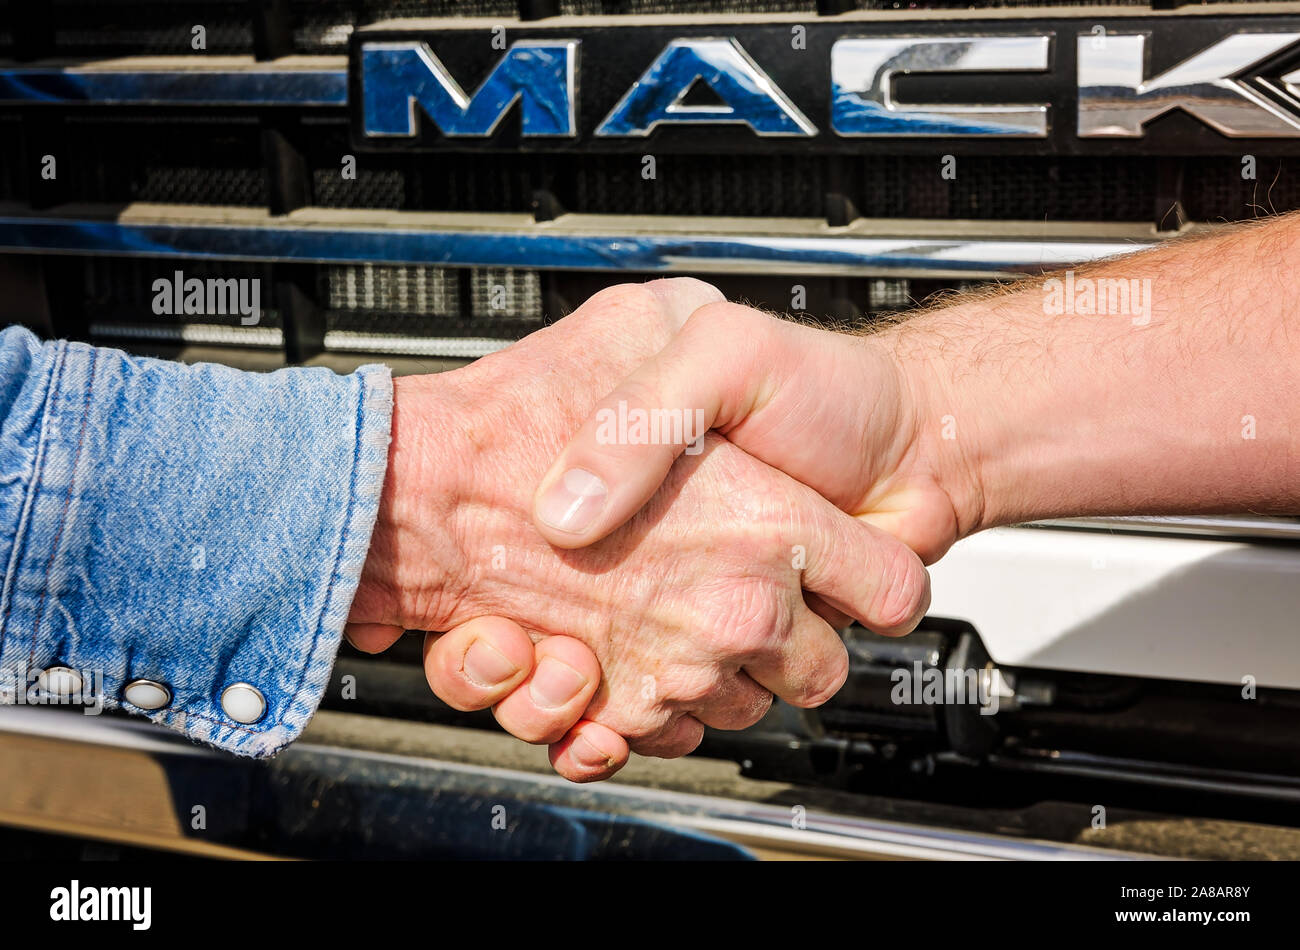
396	76
748	96
853	115
648	253
248	87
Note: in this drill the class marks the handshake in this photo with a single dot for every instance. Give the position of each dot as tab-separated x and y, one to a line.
652	516
609	581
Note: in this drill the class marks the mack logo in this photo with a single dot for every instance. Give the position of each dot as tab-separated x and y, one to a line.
397	76
404	85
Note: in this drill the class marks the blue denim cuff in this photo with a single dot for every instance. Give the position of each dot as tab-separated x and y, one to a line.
193	526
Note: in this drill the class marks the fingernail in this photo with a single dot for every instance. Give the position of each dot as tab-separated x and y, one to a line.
587	755
486	665
573	502
352	643
555	683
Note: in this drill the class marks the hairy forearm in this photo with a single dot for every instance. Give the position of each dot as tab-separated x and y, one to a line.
1189	401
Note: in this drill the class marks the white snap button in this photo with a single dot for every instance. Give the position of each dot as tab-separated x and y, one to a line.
147	694
59	681
243	703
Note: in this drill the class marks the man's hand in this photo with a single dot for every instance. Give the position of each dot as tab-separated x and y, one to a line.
694	609
994	409
830	409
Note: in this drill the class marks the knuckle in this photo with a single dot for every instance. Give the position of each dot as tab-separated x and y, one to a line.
623	299
690	290
613	311
679	297
753	622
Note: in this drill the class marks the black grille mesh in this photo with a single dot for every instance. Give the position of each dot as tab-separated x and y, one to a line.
185	160
1216	190
985	188
10	170
437	182
136	27
126	28
219	163
1008	187
742	185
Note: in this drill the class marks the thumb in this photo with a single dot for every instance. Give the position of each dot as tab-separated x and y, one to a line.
708	376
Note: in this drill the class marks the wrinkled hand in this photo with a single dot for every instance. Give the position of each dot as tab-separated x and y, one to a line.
694	609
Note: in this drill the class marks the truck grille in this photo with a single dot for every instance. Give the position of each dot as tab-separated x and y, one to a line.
203	169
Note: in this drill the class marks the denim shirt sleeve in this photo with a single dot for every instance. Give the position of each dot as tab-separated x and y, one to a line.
196	526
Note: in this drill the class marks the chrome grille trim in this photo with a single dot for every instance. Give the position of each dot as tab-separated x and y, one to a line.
572	242
181	80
